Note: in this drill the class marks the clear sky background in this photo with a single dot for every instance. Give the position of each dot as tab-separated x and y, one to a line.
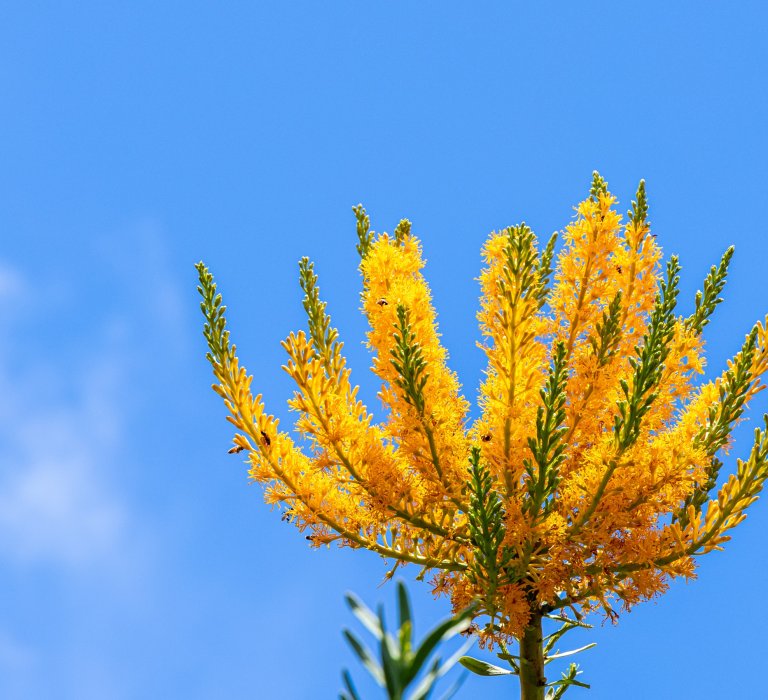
136	138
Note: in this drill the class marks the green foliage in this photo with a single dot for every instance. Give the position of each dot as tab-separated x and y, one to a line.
557	688
214	330
364	233
639	211
545	270
402	231
483	668
401	665
733	392
324	336
567	625
523	274
606	341
714	435
599	186
700	494
486	529
753	472
649	363
747	484
548	447
707	301
408	360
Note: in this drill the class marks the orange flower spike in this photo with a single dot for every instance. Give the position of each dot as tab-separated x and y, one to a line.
587	277
513	290
320	499
591	473
330	414
633	267
429	427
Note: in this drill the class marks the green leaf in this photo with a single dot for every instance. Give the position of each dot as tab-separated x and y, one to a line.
452	660
455	687
404	615
427	684
483	668
568	624
568	679
365	657
390	661
438	670
397	668
353	695
364	614
562	655
444	631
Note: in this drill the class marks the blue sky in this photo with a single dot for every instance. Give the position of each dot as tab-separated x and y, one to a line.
136	138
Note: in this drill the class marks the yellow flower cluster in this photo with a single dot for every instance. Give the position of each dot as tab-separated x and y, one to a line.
594	455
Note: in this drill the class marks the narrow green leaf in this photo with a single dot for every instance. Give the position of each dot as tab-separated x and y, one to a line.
562	655
391	663
353	694
455	687
444	631
427	684
452	660
364	614
365	657
483	668
403	605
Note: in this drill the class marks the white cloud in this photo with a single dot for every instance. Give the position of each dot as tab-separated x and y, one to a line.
60	432
55	502
71	515
10	282
14	656
146	269
54	505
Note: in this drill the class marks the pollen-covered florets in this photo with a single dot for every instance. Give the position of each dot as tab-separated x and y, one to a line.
589	474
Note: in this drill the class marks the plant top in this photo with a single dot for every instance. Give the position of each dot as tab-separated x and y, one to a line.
590	477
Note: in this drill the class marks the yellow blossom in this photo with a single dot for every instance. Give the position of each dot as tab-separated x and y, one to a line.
591	474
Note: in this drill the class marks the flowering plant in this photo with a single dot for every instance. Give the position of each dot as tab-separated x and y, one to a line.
587	480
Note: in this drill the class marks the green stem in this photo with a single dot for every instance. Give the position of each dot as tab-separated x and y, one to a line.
532	680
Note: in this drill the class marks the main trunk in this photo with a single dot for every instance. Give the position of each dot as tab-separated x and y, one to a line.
532	680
